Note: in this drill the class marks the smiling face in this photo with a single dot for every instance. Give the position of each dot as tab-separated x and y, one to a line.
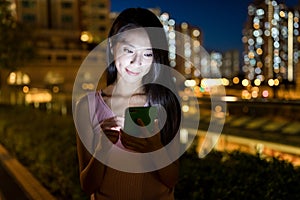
133	55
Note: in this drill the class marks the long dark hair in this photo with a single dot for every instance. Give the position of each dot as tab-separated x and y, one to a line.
157	94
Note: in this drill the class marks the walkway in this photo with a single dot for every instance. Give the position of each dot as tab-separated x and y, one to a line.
17	183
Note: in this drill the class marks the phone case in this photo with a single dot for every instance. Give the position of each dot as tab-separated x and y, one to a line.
146	114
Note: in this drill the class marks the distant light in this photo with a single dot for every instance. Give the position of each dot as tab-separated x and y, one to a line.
236	80
187	70
265	93
260	12
282	14
171	22
86	37
172	63
251	54
38	96
229	98
210	82
196	33
190	83
171	35
184	135
276	82
185	108
164	16
18	78
255	89
246	94
25	79
244	39
259	51
225	81
245	82
254	94
218	108
196	43
55	89
25	89
256	26
271	82
267	33
257	82
88	86
184	25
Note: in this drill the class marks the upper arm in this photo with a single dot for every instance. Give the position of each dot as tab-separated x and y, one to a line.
84	131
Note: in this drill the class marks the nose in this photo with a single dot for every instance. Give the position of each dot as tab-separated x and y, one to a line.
136	59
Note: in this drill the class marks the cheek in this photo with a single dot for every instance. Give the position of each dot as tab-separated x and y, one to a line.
122	61
147	69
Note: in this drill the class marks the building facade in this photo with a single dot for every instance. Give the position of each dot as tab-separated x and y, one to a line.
271	39
64	32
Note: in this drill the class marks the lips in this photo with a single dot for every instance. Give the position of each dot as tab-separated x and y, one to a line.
132	73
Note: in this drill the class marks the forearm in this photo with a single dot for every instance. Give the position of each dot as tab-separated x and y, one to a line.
92	175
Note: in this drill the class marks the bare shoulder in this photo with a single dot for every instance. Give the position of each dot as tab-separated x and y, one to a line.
108	90
81	106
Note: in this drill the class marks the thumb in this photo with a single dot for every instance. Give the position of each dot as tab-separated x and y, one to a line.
156	126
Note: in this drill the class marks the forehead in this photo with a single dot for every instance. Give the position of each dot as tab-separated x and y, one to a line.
135	37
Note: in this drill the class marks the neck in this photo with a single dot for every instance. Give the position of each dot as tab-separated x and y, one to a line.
125	88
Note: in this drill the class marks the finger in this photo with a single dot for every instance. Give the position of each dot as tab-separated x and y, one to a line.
140	122
156	126
110	124
144	129
113	136
120	121
131	141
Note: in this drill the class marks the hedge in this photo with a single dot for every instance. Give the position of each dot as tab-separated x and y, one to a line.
45	143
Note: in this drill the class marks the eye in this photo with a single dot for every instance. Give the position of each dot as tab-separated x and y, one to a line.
127	50
148	54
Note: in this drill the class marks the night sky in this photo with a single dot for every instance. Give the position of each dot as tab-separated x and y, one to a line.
221	21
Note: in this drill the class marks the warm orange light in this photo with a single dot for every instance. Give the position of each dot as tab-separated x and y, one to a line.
256	25
236	80
276	82
259	51
251	54
259	64
282	14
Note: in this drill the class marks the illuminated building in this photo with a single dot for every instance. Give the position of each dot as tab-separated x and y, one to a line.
65	31
271	39
190	50
230	64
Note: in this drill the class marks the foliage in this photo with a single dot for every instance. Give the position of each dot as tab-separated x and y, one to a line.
236	175
45	143
16	39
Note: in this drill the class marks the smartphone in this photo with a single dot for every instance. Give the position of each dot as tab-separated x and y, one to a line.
146	114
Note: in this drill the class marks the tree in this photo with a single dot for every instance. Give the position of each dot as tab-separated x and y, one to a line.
16	39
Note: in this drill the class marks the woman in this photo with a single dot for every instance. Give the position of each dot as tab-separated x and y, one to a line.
137	59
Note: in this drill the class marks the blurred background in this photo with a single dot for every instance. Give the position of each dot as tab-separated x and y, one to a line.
43	44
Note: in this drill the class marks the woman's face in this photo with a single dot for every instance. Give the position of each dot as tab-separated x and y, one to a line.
133	55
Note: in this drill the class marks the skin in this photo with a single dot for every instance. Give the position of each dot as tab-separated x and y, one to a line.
133	58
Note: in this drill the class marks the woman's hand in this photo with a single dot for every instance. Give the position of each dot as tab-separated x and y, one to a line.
111	128
142	145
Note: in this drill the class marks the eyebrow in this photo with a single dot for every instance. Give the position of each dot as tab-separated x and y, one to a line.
123	40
